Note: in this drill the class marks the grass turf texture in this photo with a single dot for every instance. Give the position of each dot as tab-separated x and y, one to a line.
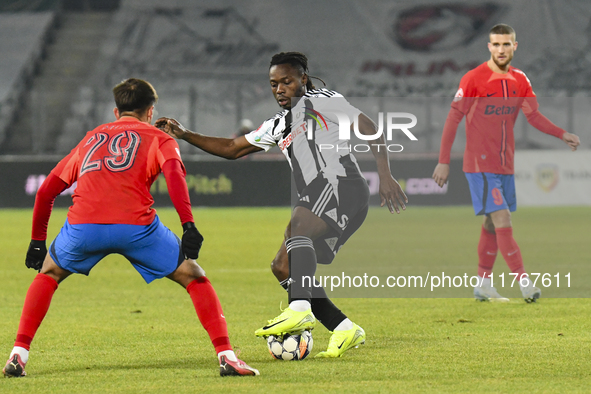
112	333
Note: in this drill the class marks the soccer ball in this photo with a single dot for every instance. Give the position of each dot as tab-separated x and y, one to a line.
290	346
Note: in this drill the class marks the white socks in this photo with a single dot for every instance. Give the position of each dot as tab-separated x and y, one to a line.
230	355
300	305
344	325
24	353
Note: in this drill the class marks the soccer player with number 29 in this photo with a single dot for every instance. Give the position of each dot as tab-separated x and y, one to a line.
115	165
490	96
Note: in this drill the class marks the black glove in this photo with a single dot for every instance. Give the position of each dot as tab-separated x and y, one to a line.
192	241
36	254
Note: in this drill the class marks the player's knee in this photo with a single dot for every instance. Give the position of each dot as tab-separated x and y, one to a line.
501	219
195	271
187	272
489	225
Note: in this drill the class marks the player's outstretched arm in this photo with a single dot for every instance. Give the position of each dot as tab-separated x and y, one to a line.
228	148
572	140
391	194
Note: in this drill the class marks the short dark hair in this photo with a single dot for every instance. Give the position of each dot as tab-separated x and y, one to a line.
297	60
134	95
502	28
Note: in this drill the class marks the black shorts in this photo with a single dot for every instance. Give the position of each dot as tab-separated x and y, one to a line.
344	215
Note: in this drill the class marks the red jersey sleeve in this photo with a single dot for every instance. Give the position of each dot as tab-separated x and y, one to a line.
449	134
63	175
67	169
530	108
464	98
169	159
169	149
49	190
460	106
177	189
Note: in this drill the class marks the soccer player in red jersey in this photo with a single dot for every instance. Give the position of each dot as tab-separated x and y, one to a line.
115	165
490	96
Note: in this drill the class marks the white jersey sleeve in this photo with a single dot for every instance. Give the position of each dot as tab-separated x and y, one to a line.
269	133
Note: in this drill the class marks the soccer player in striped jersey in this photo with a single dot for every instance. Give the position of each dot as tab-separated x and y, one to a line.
490	96
333	195
115	165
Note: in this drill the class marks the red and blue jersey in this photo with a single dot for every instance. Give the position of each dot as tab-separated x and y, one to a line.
115	166
490	102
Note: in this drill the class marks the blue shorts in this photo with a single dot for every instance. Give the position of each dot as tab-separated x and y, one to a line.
491	192
153	250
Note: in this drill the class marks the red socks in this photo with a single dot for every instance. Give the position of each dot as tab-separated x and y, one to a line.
510	250
209	311
36	305
487	253
201	291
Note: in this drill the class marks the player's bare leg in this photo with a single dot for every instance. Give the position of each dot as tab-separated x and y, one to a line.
512	254
209	310
37	304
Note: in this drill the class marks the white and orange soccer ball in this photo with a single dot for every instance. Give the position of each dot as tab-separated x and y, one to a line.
290	346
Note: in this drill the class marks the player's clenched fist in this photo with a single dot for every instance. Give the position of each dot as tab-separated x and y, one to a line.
192	241
36	254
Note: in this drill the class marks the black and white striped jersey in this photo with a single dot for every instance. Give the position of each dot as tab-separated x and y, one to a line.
308	136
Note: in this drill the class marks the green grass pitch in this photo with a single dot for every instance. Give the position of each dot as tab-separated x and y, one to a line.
112	333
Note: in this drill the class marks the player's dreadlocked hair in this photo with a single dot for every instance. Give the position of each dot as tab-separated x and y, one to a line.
502	28
297	60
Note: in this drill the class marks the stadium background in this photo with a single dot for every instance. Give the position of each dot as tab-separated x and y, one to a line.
208	61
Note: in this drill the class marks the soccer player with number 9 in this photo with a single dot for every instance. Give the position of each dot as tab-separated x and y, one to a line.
491	96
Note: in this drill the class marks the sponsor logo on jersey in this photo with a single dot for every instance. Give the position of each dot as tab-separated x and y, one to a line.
289	139
500	110
315	115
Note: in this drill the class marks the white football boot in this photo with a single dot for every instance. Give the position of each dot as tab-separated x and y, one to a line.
488	294
531	293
